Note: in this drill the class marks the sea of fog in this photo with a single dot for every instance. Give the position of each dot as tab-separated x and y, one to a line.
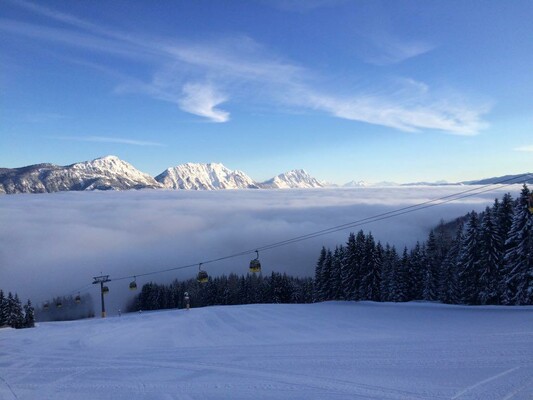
52	244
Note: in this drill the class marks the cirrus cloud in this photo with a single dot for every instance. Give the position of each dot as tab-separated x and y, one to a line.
191	73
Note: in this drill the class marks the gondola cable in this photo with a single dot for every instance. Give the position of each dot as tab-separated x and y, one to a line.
378	217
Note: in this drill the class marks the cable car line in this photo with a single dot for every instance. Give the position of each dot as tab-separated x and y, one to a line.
378	217
367	220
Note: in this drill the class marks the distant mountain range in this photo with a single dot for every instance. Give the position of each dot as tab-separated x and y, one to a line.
112	173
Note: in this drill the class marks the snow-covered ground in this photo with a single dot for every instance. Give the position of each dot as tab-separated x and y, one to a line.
334	350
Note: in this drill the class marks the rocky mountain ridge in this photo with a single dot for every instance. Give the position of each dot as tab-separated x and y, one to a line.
112	173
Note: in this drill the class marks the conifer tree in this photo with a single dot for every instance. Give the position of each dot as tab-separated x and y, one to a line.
29	317
504	211
401	281
318	275
371	270
337	292
431	269
3	307
354	256
491	257
327	287
518	271
9	310
449	291
389	271
469	261
17	317
415	274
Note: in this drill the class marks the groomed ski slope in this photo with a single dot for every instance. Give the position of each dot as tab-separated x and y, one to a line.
333	350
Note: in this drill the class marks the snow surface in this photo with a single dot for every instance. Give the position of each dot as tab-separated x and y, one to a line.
333	350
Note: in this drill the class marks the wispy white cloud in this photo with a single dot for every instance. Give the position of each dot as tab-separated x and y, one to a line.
380	111
389	50
248	72
202	99
524	148
107	139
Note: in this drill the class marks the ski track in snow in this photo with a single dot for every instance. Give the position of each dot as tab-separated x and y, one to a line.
333	350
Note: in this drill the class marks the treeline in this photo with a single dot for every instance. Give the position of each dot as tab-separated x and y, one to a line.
14	314
489	260
65	308
225	290
480	258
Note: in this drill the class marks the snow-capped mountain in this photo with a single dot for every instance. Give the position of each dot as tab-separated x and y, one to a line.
520	178
212	176
297	178
106	173
353	184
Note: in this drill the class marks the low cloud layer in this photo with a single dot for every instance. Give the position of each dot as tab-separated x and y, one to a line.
52	244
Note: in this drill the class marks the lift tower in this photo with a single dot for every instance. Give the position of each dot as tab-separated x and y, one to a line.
103	289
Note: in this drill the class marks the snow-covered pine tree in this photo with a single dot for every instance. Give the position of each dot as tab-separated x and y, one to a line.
29	315
9	310
491	257
354	255
449	273
17	317
347	269
371	270
415	273
375	281
504	211
3	305
469	261
337	292
389	272
431	268
401	292
318	275
326	291
518	259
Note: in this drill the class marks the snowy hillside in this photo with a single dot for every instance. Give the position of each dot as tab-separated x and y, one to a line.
297	178
212	176
106	173
336	350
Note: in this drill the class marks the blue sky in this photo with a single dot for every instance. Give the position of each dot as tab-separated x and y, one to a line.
366	90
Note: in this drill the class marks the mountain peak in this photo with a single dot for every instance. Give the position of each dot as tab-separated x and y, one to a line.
211	176
104	173
296	178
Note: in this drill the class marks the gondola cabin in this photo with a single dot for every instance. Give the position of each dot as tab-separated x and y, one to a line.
77	299
202	277
255	264
133	285
46	306
59	304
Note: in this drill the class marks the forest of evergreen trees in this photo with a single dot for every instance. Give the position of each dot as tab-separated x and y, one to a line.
488	260
13	313
225	290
